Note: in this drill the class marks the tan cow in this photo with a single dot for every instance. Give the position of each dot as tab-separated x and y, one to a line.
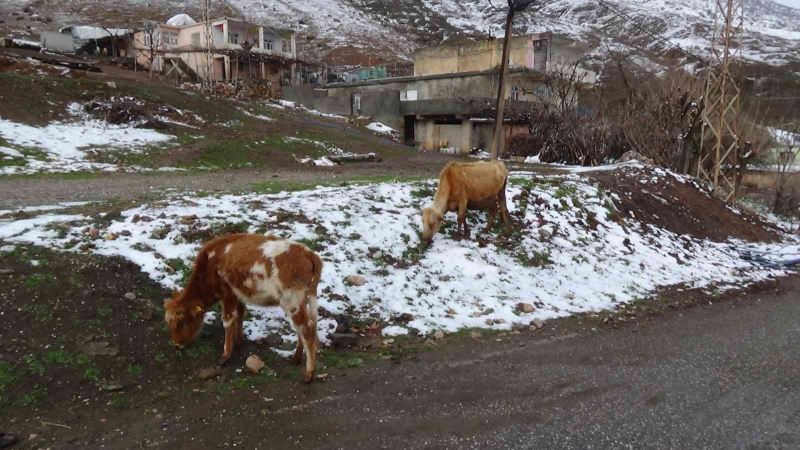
241	269
463	186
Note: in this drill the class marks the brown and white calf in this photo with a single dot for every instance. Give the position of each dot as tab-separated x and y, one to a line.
252	269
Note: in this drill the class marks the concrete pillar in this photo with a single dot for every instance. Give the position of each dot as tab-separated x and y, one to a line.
466	136
429	143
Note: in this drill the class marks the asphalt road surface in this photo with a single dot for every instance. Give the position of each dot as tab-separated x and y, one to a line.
725	375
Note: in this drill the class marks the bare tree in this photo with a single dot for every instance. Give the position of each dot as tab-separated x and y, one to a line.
564	84
151	42
787	202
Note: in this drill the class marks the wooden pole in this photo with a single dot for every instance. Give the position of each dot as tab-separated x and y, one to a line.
499	141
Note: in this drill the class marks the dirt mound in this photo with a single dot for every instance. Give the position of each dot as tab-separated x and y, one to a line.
680	205
143	114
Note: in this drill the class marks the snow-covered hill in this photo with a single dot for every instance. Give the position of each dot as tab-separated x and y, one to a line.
393	29
772	30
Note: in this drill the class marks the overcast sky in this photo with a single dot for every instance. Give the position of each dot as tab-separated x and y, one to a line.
794	3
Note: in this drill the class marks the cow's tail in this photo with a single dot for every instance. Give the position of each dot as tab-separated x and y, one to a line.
313	307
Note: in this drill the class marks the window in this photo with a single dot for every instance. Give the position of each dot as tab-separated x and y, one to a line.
514	93
286	46
542	91
357	103
148	39
195	39
269	44
233	38
409	95
170	38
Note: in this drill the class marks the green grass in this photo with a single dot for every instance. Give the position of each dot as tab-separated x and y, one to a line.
7	378
247	380
274	187
41	313
134	370
38	279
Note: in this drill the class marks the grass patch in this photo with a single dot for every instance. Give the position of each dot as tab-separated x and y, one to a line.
38	279
274	187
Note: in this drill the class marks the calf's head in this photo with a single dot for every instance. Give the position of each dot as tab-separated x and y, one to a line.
184	319
431	222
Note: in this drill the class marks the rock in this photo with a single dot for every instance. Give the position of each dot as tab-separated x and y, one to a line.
475	334
406	317
489	322
7	272
439	335
322	376
186	220
545	235
209	373
111	84
93	233
355	280
130	296
635	156
517	327
499	321
100	348
344	340
451	311
273	340
113	387
125	233
537	323
110	236
525	308
254	363
388	341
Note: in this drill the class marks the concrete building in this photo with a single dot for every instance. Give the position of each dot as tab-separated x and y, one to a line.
222	49
449	102
87	40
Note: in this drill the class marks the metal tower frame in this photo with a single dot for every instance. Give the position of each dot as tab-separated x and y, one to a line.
719	154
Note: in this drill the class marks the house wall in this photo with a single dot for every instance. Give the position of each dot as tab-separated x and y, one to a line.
483	55
61	42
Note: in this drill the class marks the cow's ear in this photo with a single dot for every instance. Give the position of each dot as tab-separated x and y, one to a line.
197	310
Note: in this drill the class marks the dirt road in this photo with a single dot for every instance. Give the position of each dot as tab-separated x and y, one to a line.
721	376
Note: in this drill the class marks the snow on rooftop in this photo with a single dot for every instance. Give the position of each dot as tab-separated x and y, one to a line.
88	32
180	20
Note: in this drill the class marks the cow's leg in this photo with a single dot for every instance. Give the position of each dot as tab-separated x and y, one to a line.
501	200
241	311
294	303
462	219
230	313
490	220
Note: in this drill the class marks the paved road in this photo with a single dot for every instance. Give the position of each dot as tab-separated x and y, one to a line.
721	376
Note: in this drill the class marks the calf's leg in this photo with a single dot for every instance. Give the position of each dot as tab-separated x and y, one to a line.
294	304
230	316
241	311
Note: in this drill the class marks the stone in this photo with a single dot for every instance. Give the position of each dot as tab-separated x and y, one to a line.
439	335
344	340
130	296
125	233
355	280
389	341
632	155
525	308
113	387
538	323
110	236
186	220
254	364
111	84
406	317
209	373
7	272
475	335
273	340
322	376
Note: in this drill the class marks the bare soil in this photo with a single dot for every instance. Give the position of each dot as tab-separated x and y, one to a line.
680	207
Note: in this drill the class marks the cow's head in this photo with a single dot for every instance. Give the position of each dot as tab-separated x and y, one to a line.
184	319
431	222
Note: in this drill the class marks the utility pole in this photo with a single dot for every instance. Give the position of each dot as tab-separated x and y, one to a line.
498	143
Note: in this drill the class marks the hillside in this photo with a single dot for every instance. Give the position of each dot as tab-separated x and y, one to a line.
394	29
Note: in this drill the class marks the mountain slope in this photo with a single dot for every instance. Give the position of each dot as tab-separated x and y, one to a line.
393	29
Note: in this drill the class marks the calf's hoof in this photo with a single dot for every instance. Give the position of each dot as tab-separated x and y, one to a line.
223	361
308	377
